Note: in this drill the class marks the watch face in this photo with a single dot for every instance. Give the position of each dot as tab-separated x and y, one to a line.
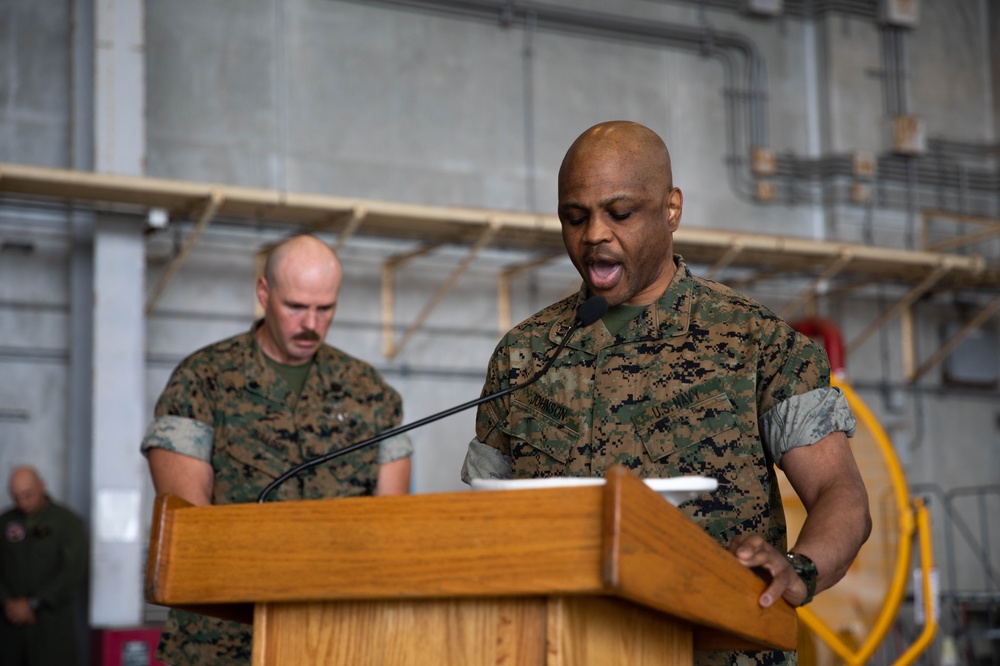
805	568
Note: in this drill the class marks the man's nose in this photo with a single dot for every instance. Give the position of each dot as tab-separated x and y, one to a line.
596	231
309	319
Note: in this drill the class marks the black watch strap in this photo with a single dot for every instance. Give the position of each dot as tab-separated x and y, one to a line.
805	568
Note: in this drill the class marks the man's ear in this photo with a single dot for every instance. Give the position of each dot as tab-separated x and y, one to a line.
675	205
263	291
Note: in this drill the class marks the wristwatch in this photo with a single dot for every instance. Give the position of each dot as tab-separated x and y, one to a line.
34	603
805	568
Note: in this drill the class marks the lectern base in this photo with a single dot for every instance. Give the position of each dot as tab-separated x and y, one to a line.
550	631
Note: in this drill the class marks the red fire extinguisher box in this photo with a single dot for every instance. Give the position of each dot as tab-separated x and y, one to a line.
134	646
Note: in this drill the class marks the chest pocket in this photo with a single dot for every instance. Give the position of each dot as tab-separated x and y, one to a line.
665	434
545	435
260	457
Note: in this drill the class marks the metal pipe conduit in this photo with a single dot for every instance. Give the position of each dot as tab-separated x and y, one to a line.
744	66
746	96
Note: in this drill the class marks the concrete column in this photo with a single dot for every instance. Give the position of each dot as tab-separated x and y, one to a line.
118	468
119	327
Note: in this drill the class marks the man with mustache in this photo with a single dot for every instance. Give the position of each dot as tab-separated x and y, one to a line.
237	414
681	376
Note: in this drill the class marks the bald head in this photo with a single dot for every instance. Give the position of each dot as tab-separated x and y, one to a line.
27	490
625	143
301	254
619	209
298	292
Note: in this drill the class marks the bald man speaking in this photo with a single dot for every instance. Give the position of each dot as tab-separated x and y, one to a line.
681	376
237	414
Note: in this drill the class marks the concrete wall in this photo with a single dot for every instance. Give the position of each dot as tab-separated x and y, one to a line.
366	100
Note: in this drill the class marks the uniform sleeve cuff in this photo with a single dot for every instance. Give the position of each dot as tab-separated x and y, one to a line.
394	448
180	435
485	462
805	419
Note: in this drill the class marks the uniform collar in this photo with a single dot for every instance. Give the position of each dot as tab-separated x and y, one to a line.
262	379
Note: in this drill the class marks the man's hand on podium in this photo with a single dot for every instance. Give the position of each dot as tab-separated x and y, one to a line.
754	552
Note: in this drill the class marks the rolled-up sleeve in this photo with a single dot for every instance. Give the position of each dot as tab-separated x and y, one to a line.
394	448
179	434
485	462
805	419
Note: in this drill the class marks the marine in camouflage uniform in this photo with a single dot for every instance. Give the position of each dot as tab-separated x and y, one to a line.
681	376
226	402
704	381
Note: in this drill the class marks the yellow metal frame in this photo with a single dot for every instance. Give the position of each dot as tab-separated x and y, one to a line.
913	517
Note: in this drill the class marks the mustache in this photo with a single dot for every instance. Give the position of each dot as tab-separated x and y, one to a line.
306	336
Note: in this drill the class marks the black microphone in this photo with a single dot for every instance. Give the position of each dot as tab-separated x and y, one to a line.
589	312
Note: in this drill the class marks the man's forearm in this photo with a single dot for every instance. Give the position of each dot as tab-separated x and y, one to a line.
837	526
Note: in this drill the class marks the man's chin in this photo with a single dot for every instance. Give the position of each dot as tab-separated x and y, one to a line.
301	352
613	296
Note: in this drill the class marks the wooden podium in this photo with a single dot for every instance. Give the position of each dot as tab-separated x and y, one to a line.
608	574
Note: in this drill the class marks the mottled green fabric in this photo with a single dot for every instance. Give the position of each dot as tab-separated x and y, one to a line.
679	390
258	432
45	556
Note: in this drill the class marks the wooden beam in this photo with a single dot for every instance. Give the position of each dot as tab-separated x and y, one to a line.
487	235
503	287
907	300
389	267
992	229
463	225
810	291
981	317
215	199
722	262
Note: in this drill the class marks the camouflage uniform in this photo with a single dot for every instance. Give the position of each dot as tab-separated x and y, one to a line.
705	381
226	405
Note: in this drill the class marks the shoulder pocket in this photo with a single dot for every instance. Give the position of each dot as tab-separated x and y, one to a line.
667	431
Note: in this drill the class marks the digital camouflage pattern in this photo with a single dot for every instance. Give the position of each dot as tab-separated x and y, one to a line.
229	390
678	391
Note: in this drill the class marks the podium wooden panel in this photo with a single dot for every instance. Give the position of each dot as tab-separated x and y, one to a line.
608	574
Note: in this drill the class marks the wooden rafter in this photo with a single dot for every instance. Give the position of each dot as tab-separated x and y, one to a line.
433	226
